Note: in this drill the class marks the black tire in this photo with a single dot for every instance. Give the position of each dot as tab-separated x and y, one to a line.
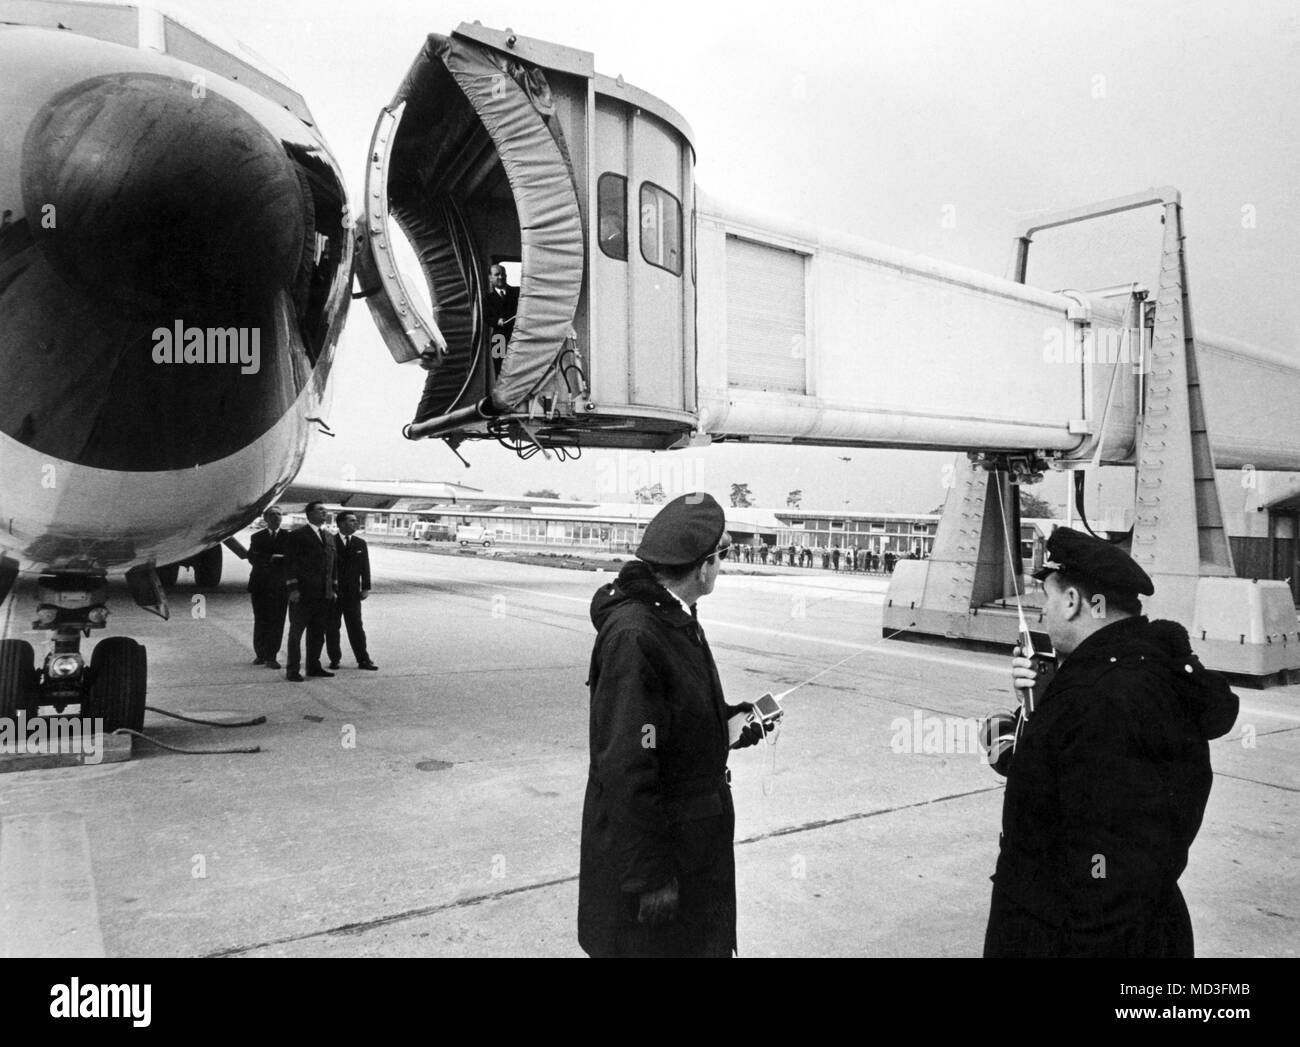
168	574
207	568
17	678
487	543
119	677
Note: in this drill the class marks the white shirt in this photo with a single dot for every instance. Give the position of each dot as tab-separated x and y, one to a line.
685	607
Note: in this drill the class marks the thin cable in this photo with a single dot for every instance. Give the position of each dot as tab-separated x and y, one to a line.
207	723
1006	538
1026	645
848	658
462	244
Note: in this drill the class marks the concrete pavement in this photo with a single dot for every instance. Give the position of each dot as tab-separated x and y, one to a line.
433	808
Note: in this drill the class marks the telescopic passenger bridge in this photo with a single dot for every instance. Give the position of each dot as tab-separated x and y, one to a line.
652	317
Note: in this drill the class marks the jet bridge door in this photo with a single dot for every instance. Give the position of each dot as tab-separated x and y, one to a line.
491	151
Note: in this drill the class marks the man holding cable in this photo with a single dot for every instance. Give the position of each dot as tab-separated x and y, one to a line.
1108	769
657	873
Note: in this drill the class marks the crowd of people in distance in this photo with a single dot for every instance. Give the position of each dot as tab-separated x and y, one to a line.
849	559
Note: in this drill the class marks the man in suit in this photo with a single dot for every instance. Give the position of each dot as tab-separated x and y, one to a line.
500	308
267	553
310	582
352	557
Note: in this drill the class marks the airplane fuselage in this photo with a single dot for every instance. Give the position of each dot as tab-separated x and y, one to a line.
175	266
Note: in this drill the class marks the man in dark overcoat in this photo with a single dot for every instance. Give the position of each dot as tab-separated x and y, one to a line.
309	578
657	871
266	554
352	559
1108	775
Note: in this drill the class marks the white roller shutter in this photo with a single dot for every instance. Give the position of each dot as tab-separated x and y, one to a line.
766	339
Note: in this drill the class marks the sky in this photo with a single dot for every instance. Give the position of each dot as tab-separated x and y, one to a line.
876	119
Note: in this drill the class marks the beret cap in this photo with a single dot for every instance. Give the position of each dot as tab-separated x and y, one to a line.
685	530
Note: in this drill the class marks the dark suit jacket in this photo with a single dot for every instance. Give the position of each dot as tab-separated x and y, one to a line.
310	563
267	576
353	565
501	309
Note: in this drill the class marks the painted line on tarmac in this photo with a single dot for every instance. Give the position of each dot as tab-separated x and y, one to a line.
825	822
1275	714
363	926
874	648
383	921
1256	781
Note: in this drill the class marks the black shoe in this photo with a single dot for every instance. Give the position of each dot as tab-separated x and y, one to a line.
294	676
368	665
318	672
334	665
271	663
259	661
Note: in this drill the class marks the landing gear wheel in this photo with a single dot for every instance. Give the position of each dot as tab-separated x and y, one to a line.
207	568
168	574
17	678
119	674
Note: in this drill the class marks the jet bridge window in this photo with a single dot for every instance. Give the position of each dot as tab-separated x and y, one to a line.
611	195
661	228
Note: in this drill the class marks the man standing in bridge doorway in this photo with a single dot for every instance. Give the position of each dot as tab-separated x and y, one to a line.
310	581
502	302
657	874
1109	772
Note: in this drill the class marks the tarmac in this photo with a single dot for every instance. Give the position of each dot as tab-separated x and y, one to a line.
433	808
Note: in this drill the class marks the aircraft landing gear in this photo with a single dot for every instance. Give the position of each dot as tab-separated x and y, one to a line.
113	685
118	678
19	681
206	566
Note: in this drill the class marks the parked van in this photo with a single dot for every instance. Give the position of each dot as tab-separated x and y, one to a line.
425	531
474	534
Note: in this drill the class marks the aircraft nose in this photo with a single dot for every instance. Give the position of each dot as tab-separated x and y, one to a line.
141	211
161	197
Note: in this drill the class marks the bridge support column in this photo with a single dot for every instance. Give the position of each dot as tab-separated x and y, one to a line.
1241	626
1238	625
960	593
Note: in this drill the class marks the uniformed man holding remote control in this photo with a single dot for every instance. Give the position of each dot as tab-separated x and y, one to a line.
1108	769
657	874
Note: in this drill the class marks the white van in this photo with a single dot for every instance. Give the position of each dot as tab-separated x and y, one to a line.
473	534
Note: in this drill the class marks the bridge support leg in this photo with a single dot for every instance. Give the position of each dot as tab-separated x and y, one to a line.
960	593
1240	626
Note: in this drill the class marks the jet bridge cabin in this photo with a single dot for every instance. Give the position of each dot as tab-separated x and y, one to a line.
497	148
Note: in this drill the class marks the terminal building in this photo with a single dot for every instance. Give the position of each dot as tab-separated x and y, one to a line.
618	527
1262	522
